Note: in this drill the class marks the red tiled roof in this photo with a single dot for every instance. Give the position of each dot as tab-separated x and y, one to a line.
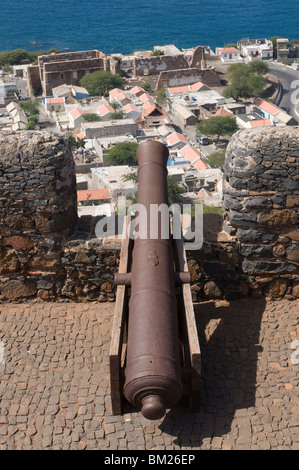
136	89
194	156
77	112
146	97
130	107
261	122
114	92
198	85
229	49
266	106
80	136
223	112
176	137
179	89
55	100
203	193
92	194
105	109
200	164
122	96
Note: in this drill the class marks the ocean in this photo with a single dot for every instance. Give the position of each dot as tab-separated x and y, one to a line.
124	26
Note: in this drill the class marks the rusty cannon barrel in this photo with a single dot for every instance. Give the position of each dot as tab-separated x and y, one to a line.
153	372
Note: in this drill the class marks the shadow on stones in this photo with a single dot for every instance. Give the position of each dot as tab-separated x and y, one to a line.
229	340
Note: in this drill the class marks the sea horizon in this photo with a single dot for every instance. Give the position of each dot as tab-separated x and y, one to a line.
132	25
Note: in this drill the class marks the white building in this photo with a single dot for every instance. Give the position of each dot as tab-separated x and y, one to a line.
231	55
256	49
112	178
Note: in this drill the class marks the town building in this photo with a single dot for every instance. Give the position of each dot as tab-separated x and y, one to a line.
256	49
54	104
64	68
270	111
76	118
230	55
109	128
112	179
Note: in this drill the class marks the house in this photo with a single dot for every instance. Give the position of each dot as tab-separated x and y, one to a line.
199	86
230	55
62	91
194	156
113	93
154	115
185	116
145	97
176	140
109	128
54	104
105	111
17	116
136	91
76	117
79	93
112	179
132	112
252	120
274	113
183	89
223	112
256	49
122	98
93	196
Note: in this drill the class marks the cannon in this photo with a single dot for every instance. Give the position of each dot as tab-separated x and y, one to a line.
154	352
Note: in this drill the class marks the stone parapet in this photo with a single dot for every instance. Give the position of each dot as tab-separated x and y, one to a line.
47	253
261	200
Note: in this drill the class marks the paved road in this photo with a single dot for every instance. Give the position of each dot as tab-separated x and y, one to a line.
290	98
54	388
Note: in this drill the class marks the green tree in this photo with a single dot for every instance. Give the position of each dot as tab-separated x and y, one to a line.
259	67
101	82
161	96
274	41
157	52
123	153
217	125
115	105
117	115
17	56
75	143
8	69
216	159
175	191
147	87
91	117
245	80
30	107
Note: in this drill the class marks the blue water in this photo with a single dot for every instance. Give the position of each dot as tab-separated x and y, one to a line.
124	26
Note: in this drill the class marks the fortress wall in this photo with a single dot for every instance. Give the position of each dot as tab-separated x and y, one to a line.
261	207
47	253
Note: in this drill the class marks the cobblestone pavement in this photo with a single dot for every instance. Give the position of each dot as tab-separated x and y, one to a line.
54	387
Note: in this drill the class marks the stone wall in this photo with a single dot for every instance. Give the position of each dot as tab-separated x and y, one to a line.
261	201
38	208
171	78
47	253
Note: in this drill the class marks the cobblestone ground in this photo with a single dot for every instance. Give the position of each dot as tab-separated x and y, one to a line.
54	387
